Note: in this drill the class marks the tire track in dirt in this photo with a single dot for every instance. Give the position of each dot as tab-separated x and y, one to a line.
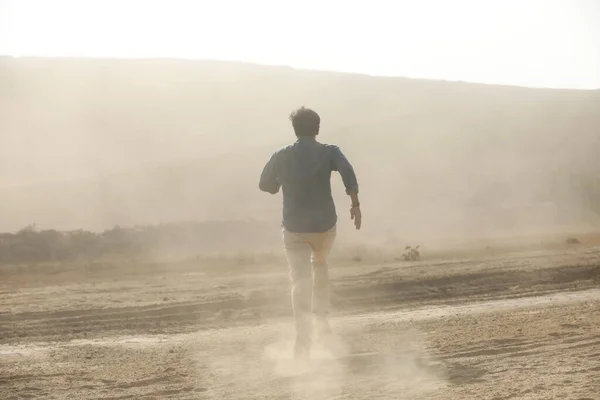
488	284
351	295
465	365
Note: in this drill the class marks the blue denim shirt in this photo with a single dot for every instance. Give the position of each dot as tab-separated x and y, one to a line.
303	171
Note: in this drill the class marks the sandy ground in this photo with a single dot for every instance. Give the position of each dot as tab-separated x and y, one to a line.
511	326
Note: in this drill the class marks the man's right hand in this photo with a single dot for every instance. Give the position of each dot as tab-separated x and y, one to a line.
356	216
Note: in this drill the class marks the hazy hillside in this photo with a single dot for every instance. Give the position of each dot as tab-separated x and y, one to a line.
94	143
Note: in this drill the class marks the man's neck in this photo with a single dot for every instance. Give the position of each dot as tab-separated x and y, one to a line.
306	138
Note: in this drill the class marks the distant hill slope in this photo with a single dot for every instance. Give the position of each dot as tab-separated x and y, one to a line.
147	141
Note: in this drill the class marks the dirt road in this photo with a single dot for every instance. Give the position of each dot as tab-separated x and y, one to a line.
512	326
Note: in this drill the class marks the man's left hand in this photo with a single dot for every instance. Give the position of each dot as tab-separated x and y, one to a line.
356	216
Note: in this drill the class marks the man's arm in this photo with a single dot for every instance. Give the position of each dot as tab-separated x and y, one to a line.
268	179
343	166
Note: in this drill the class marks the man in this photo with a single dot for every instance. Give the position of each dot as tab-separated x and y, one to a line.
303	171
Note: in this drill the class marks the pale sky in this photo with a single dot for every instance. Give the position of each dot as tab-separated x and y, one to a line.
541	43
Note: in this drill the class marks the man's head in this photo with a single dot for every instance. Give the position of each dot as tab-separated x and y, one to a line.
305	121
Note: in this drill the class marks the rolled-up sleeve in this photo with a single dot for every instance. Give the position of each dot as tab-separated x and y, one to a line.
268	179
343	166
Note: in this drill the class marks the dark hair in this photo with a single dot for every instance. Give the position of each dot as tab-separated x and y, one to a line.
305	121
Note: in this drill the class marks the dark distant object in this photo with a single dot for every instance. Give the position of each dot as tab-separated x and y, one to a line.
573	241
411	254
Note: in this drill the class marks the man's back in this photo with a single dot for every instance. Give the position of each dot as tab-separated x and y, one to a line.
303	171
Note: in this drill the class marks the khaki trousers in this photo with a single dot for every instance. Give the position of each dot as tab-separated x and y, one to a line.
307	254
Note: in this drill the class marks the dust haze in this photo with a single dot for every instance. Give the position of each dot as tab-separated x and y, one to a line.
140	260
93	143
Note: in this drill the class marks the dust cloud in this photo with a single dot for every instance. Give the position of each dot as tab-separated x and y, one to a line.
335	368
335	371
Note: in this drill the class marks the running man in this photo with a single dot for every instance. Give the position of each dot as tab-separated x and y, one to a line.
303	171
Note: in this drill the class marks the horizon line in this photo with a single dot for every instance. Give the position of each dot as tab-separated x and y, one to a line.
287	66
